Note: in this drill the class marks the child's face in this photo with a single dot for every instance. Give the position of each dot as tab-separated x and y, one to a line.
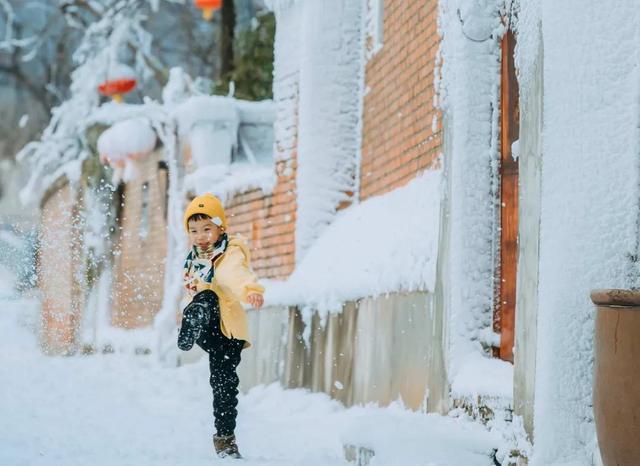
203	233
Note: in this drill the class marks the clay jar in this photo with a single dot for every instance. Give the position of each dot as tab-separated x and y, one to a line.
616	386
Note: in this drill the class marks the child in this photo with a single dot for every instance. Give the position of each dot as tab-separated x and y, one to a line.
218	277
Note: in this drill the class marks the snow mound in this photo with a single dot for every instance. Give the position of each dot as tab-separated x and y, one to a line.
481	375
399	437
385	244
128	138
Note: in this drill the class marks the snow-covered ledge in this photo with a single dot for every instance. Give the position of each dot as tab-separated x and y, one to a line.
225	181
210	127
385	244
209	124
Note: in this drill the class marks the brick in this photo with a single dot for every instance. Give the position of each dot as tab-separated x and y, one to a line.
138	273
398	109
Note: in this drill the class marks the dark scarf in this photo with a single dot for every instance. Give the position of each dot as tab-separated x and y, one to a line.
199	262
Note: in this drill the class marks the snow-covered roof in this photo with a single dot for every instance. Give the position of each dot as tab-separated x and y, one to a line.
385	244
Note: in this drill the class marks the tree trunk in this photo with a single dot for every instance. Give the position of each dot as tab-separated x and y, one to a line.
226	39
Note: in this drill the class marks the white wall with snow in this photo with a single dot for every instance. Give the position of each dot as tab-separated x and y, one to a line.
589	224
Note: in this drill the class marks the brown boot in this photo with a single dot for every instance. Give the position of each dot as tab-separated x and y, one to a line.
226	446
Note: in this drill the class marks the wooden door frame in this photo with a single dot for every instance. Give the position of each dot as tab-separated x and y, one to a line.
506	270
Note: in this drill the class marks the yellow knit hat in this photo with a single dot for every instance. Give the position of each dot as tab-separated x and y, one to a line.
207	204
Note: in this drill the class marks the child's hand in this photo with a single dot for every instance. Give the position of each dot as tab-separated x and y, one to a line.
256	300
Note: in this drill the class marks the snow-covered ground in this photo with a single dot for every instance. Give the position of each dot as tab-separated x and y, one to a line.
121	409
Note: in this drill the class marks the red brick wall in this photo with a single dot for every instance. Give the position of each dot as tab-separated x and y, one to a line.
140	262
59	258
398	141
268	221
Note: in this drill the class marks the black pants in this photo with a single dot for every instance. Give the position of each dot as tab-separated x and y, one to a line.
224	357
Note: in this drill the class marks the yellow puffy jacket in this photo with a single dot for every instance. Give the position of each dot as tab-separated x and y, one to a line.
233	282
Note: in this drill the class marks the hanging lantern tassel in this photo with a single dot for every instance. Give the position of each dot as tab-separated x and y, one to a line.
208	7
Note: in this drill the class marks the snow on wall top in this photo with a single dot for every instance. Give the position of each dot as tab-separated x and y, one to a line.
256	113
214	108
128	138
387	243
217	127
225	181
206	109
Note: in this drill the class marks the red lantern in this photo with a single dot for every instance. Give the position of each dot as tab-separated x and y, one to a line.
116	88
208	7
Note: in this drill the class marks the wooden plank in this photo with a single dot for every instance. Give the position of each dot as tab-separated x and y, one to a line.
505	307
